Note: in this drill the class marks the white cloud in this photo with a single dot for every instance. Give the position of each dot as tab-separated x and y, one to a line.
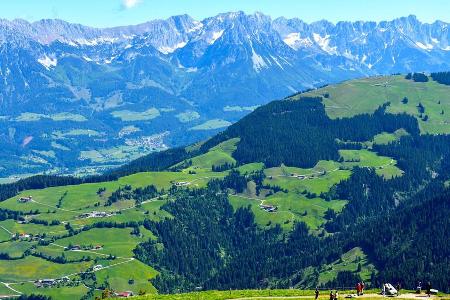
127	4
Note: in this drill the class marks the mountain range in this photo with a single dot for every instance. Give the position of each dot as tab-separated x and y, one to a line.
76	98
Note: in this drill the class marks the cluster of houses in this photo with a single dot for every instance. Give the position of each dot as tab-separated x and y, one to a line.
78	247
181	183
96	214
310	176
25	199
43	283
268	208
25	236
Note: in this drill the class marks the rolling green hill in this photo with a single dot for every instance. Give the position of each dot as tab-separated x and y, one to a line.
365	95
302	193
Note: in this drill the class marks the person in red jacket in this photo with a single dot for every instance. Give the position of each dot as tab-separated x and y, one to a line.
358	288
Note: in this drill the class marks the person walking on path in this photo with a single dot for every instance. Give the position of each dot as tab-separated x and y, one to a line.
336	295
358	288
398	288
383	289
331	295
363	285
429	289
316	293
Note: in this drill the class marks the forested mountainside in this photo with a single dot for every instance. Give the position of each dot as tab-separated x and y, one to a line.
81	100
327	197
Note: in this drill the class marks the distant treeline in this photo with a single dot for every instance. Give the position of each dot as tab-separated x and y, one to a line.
44	181
441	77
153	162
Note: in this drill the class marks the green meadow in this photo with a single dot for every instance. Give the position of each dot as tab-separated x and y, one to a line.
365	95
300	200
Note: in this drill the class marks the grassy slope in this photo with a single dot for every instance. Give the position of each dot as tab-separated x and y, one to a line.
348	262
60	293
119	242
292	206
364	95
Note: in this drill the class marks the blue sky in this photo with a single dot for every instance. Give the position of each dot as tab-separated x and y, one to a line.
107	13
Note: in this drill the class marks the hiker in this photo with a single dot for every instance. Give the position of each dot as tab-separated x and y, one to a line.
419	287
358	288
383	290
336	295
398	288
429	289
362	287
331	295
317	293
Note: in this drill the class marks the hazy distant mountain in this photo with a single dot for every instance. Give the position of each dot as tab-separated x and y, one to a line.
177	79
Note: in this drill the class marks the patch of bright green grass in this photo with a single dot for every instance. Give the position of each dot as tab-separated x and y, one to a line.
63	116
5	291
31	268
217	155
4	235
386	138
16	249
119	277
31	228
187	116
237	294
29	117
315	180
239	108
128	115
251	167
212	124
75	132
116	241
60	293
291	207
384	166
348	262
49	154
59	146
365	95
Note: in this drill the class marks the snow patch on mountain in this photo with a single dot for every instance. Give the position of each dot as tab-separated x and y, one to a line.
295	41
197	26
94	42
424	47
48	62
324	43
168	50
258	61
215	36
277	62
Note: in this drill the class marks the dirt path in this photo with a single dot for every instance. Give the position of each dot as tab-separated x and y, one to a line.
6	230
272	297
54	207
7	285
343	296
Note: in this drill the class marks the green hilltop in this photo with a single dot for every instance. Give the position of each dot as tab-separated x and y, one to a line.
365	95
